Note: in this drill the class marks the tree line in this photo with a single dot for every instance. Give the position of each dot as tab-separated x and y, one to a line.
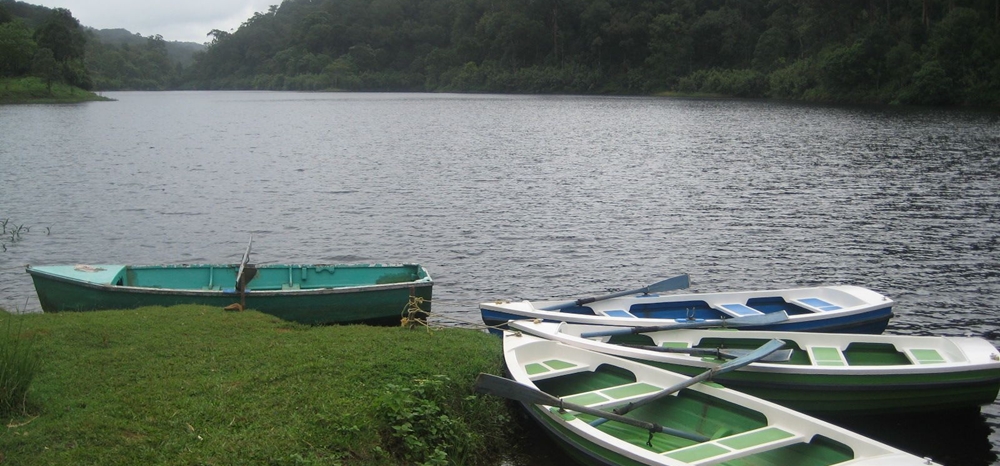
52	45
939	52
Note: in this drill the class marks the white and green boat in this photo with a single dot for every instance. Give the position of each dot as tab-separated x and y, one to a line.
821	373
606	410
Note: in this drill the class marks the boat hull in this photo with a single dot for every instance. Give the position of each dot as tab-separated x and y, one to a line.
881	394
374	303
824	374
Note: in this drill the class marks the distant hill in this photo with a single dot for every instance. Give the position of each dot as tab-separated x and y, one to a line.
35	15
177	52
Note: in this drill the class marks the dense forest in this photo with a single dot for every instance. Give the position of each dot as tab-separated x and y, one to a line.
939	52
51	44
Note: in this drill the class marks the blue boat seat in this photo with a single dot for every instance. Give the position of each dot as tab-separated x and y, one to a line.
739	310
618	313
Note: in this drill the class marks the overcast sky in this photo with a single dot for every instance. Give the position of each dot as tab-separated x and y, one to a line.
175	20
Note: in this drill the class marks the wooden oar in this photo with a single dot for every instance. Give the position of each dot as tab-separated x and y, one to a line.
674	283
755	355
506	388
239	274
719	353
742	321
243	263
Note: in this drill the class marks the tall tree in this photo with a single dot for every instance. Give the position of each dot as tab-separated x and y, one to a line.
61	33
16	49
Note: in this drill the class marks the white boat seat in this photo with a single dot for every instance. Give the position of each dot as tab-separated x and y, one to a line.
817	304
739	310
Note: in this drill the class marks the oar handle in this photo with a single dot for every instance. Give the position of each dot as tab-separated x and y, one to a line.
649	329
608	333
673	283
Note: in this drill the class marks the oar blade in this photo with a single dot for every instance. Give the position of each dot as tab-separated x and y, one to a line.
756	355
781	355
679	282
505	388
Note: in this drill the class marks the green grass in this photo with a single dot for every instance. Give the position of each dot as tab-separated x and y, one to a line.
196	385
33	91
18	366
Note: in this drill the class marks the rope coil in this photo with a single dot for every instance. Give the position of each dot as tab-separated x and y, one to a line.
413	314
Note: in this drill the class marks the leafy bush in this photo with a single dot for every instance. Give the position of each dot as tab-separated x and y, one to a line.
793	81
424	428
735	83
931	85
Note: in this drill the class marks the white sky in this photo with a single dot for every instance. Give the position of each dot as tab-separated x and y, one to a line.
175	20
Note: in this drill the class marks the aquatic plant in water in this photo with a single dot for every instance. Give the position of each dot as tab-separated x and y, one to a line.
12	233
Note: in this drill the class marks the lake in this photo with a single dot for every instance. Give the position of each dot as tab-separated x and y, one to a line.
530	197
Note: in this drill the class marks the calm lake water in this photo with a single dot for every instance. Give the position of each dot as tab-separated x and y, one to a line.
512	197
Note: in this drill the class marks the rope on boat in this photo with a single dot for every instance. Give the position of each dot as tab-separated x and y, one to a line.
413	314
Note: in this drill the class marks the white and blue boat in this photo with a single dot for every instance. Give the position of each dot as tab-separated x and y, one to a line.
828	309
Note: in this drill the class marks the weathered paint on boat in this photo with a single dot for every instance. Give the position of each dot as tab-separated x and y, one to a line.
743	430
830	309
309	294
826	373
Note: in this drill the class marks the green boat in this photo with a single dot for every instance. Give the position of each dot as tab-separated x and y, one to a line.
821	373
375	294
605	410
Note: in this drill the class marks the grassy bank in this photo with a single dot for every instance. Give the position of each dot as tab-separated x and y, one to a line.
35	91
196	385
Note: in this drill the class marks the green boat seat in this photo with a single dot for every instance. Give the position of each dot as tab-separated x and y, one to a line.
739	310
827	356
548	368
926	356
727	445
614	395
290	286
